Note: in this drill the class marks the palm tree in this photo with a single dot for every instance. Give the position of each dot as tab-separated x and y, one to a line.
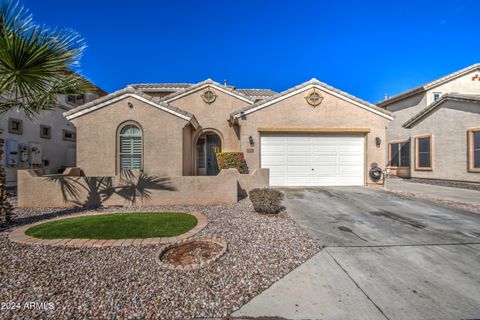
35	65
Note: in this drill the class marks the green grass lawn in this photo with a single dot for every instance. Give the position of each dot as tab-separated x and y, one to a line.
116	226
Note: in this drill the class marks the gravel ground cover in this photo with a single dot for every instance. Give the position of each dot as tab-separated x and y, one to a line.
447	183
125	282
456	204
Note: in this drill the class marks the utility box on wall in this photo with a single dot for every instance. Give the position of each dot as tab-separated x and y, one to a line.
11	160
35	154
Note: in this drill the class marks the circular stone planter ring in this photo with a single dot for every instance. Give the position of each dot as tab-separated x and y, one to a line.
18	235
200	262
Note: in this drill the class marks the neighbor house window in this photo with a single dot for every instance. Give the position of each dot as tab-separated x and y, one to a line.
45	132
436	96
424	152
474	150
399	153
15	126
76	99
69	135
130	141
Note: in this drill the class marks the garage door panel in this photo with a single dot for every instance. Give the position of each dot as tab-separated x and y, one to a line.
274	160
298	160
324	181
350	172
313	159
320	159
275	148
301	148
298	171
350	181
298	181
349	158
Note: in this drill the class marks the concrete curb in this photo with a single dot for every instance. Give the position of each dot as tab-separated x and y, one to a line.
18	235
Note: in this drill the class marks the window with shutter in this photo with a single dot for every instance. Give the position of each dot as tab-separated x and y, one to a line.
130	148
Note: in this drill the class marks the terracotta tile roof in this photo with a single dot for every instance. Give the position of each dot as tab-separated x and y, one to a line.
257	93
175	86
428	85
126	90
229	89
474	98
305	84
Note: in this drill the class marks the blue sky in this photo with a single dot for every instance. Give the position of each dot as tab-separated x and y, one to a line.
367	48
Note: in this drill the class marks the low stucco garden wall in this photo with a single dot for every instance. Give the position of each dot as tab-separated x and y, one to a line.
130	189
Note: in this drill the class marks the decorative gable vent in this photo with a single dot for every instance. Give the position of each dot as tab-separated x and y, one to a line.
314	98
209	96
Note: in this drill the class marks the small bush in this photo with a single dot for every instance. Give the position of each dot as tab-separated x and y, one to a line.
266	200
227	160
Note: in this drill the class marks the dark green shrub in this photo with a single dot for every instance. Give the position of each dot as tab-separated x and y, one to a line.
266	200
227	160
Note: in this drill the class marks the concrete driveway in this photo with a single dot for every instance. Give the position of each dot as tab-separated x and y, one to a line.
386	257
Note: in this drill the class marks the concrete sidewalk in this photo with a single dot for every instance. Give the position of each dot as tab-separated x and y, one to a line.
371	283
433	191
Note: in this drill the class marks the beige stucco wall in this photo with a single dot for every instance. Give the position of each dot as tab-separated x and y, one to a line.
408	107
58	151
215	115
211	117
404	110
162	138
38	191
463	84
448	126
333	112
259	178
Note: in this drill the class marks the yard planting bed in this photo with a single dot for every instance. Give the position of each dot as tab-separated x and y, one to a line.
126	282
121	225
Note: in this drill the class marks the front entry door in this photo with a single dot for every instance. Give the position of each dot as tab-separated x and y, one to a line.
213	147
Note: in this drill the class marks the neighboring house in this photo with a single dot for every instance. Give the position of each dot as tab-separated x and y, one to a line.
309	135
436	131
46	142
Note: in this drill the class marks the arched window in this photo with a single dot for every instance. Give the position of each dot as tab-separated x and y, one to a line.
130	147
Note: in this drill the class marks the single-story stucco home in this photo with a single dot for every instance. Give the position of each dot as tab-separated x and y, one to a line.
436	130
309	135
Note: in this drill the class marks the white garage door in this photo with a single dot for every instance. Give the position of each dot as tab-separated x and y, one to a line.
313	159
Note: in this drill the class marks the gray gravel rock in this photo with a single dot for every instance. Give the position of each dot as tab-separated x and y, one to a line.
126	283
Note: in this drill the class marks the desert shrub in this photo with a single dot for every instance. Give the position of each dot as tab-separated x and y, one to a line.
227	160
266	200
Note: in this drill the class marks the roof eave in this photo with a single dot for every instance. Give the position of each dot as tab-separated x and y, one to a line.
308	85
410	123
401	96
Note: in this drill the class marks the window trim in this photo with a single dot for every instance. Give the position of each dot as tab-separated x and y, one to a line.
432	158
69	139
49	136
76	96
439	96
390	153
117	151
470	150
10	126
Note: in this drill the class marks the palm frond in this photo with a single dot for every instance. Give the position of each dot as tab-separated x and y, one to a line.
36	62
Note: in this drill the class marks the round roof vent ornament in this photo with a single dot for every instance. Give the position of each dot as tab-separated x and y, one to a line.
209	96
314	98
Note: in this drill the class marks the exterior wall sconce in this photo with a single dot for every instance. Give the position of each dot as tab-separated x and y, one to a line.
250	139
378	141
